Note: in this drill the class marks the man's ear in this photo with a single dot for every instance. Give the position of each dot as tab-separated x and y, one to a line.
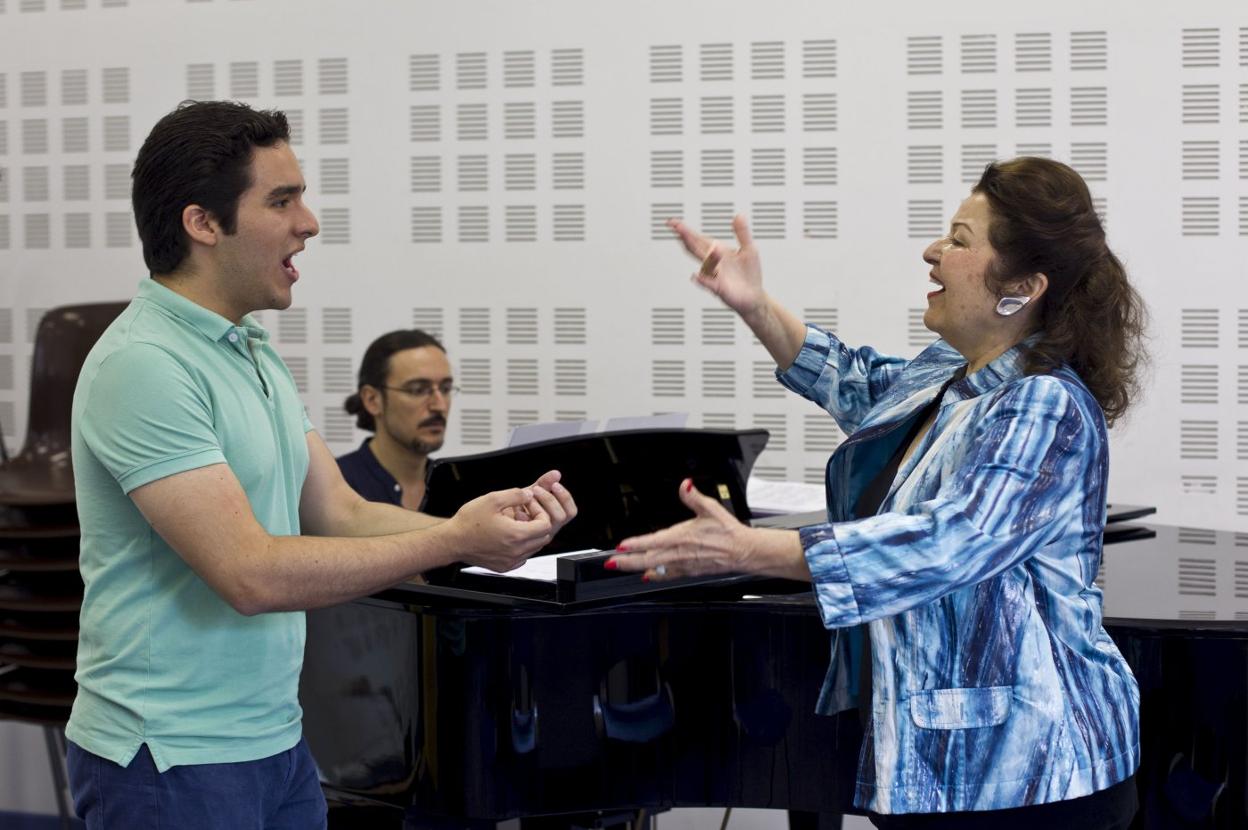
200	225
370	396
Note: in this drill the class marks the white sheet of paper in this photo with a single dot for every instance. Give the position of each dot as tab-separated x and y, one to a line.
547	431
533	433
544	568
668	420
784	496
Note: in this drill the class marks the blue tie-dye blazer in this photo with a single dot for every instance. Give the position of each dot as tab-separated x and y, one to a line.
995	685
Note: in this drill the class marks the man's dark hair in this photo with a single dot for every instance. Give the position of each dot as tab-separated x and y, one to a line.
375	368
199	154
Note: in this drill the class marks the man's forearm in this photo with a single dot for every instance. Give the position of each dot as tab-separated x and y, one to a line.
372	518
302	572
205	516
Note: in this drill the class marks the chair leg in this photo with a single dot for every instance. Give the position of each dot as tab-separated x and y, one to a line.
55	738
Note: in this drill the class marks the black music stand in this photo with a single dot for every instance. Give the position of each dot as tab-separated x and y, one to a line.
625	483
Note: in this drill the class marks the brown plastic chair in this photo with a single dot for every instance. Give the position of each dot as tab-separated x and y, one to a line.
40	590
41	473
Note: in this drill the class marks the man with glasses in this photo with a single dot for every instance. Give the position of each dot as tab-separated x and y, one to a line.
403	398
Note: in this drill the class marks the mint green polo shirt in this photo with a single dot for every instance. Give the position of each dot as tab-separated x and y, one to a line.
162	658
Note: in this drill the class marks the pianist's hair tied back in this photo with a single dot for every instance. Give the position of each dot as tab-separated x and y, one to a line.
375	368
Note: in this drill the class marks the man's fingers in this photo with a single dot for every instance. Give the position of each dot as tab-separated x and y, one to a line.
564	495
533	534
548	479
555	499
513	497
550	505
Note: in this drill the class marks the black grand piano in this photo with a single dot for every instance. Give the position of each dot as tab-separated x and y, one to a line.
573	702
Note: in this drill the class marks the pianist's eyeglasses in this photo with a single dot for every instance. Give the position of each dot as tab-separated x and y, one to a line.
421	391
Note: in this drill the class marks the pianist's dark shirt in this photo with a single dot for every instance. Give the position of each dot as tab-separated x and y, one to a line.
367	477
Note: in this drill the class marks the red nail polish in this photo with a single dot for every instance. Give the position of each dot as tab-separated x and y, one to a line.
645	577
610	564
621	549
688	485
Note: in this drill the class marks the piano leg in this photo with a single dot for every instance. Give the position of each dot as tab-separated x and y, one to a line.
353	818
814	821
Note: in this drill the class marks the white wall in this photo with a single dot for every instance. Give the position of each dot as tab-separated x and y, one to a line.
568	305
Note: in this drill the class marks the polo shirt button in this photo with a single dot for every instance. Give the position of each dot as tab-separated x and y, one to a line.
233	337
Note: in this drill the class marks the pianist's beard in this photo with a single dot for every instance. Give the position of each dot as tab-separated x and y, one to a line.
426	445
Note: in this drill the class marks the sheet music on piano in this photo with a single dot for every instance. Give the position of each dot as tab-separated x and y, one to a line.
549	430
775	498
542	568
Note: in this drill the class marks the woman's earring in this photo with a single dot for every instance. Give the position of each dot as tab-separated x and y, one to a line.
1011	305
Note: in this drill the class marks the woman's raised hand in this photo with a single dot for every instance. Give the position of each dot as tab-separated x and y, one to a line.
735	276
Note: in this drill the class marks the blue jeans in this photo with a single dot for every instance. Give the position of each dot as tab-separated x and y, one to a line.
281	792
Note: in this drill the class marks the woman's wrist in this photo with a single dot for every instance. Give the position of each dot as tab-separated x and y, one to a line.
779	553
780	332
758	317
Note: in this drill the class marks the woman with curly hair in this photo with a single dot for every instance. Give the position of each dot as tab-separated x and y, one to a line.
965	514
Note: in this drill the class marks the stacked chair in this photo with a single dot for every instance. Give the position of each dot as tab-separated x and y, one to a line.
40	588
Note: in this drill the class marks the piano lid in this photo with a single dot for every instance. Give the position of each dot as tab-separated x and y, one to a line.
1186	577
624	483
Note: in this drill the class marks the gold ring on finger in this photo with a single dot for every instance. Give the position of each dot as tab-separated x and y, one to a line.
709	266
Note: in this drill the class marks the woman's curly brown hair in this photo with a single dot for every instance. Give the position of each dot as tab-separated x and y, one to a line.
1091	318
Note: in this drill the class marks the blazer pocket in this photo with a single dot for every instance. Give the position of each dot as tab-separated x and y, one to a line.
960	708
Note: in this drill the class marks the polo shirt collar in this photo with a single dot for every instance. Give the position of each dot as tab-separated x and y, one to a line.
208	323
